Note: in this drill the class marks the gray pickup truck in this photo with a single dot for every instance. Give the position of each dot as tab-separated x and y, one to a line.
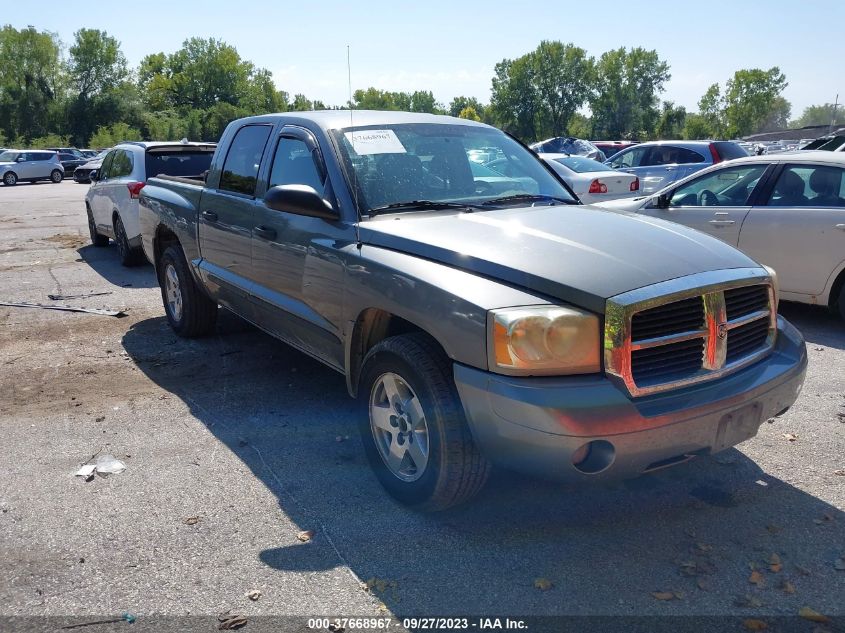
479	318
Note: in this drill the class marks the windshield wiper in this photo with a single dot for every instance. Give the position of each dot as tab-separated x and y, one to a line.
411	205
526	197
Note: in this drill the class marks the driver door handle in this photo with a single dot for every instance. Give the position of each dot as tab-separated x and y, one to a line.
211	216
264	232
722	222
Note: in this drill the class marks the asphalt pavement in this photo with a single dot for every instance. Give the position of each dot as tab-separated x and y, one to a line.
236	444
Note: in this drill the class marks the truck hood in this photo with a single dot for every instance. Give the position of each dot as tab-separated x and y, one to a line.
578	254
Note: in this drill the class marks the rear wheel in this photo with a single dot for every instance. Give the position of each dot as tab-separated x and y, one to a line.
128	256
413	426
96	239
189	311
10	178
56	176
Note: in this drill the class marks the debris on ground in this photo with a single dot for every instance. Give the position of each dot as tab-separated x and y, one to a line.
82	296
543	584
230	622
813	616
754	625
775	564
126	617
306	535
787	587
104	465
380	584
66	308
667	595
253	594
825	518
790	437
192	520
756	578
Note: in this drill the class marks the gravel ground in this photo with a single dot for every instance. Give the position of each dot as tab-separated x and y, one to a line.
236	443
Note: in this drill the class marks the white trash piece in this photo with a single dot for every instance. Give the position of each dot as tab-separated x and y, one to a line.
104	465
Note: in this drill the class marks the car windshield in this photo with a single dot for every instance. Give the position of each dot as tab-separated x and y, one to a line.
8	157
581	164
437	163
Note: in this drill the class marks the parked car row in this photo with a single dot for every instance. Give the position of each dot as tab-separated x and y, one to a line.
30	166
784	210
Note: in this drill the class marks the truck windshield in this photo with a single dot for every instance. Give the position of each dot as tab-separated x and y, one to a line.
448	163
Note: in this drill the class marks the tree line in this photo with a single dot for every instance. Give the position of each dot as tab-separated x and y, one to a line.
90	97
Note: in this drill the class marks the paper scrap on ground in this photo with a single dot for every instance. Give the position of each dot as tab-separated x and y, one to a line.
375	142
104	465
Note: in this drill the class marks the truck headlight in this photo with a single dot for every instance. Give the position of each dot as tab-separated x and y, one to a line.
775	286
543	340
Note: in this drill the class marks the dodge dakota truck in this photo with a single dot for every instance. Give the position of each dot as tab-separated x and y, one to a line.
480	318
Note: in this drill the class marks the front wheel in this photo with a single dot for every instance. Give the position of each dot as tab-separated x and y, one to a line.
189	312
413	426
56	176
10	178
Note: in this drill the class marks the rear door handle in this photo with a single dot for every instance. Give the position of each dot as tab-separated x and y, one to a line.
211	216
722	222
264	232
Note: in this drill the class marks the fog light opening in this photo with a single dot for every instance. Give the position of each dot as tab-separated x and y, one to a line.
594	457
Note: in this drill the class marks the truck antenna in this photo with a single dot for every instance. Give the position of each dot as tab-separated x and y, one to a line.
351	129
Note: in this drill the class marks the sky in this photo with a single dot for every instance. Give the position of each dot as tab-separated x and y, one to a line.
451	48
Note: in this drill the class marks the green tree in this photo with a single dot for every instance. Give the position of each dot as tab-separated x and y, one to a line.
778	116
816	115
97	73
750	96
671	122
459	104
625	100
107	136
301	103
711	110
373	99
514	102
697	127
563	78
31	83
469	113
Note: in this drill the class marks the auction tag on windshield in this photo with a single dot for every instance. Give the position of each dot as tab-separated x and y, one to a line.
375	142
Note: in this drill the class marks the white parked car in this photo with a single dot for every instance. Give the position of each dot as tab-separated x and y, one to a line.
786	211
112	200
591	180
30	165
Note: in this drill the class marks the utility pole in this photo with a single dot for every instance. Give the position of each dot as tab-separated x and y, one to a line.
833	115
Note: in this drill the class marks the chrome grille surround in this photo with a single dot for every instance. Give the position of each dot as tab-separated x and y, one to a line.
715	330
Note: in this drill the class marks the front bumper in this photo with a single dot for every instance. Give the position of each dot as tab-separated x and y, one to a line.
535	425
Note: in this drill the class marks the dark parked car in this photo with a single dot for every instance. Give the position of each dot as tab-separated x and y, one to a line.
83	172
70	162
611	148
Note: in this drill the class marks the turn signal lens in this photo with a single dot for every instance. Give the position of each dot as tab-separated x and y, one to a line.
544	340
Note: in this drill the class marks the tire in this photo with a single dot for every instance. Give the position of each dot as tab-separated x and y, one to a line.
96	239
189	311
428	425
10	179
840	303
128	256
56	176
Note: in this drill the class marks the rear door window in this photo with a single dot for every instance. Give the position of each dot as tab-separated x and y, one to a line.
121	165
809	186
672	155
177	162
240	170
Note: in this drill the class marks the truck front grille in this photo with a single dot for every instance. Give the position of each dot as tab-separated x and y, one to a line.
689	335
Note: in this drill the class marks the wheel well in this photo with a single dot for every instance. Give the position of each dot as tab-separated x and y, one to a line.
835	289
164	237
373	326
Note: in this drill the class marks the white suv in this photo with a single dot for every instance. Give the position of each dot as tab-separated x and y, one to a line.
31	165
112	200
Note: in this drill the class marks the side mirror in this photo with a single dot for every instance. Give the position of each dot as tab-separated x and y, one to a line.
663	201
301	200
94	175
20	159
